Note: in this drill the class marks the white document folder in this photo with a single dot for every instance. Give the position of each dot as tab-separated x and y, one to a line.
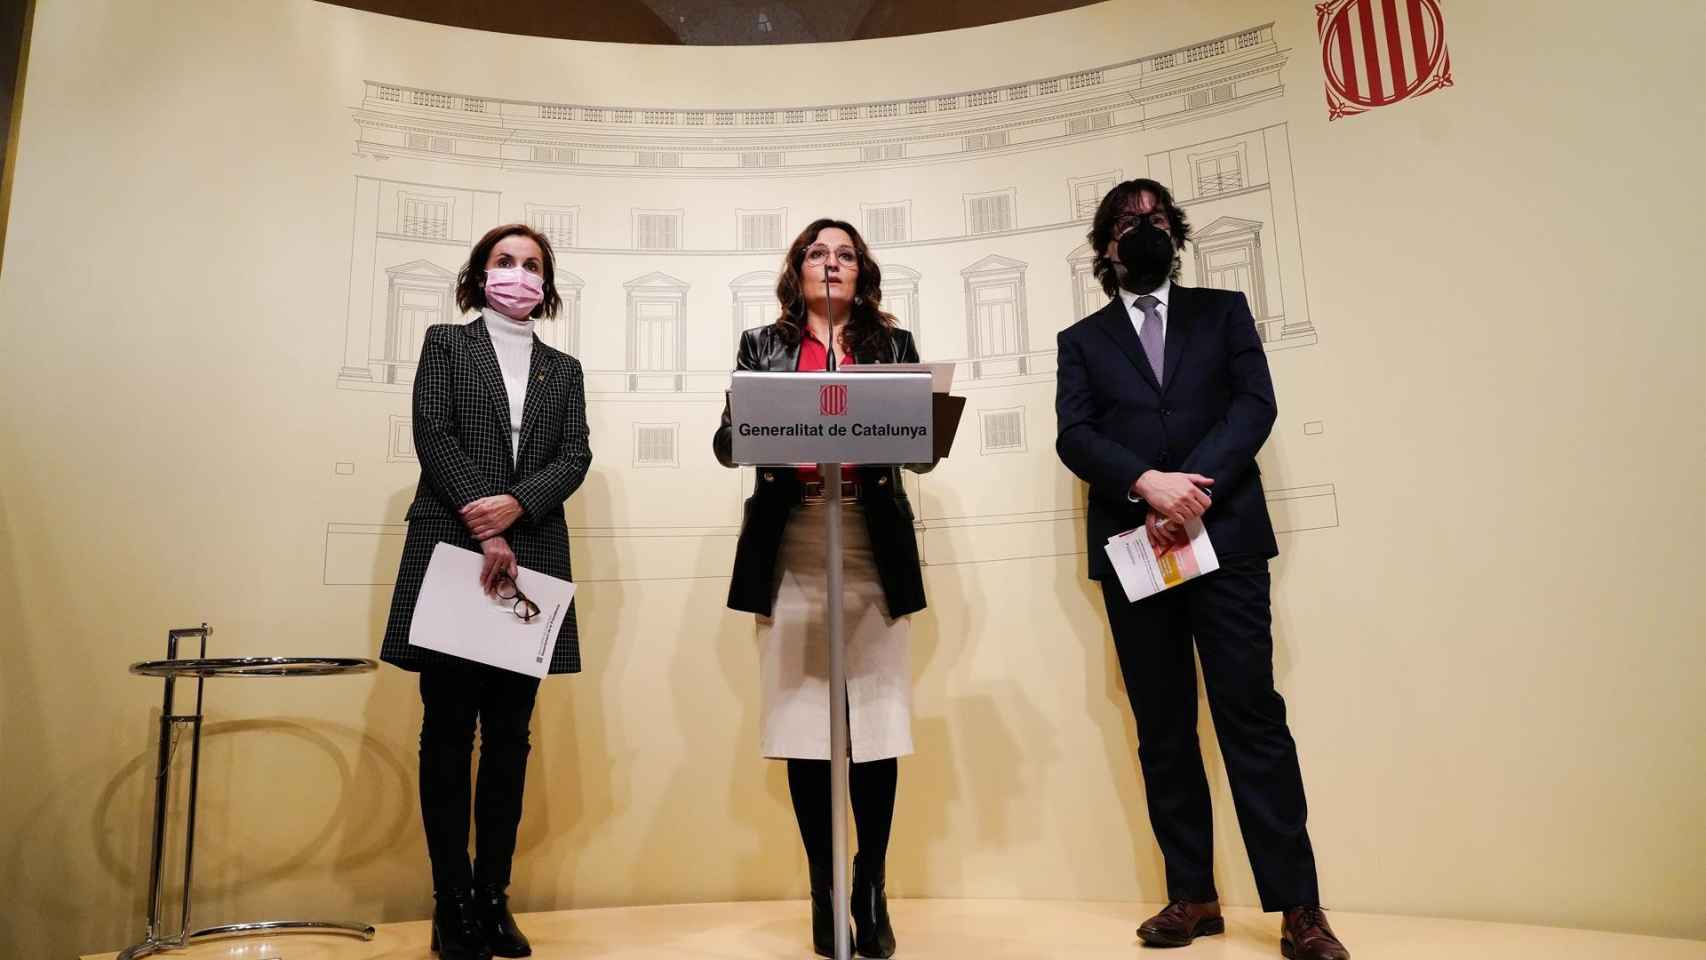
1143	573
941	374
453	615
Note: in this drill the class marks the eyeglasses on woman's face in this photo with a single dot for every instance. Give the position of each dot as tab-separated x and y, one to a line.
818	254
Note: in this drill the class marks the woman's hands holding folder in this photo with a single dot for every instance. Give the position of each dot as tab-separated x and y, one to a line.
499	563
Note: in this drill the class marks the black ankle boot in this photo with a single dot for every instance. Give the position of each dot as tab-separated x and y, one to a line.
497	924
871	913
455	930
823	911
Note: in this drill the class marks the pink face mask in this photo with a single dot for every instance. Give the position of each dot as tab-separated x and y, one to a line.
513	291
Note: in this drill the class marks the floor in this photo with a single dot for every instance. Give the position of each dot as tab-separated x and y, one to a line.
960	929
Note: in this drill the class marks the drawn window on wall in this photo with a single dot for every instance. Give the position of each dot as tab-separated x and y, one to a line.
657	229
564	332
655	444
1229	256
754	302
995	313
424	217
900	295
418	295
1003	430
1087	293
990	212
401	448
887	222
657	307
761	229
997	319
1087	192
1219	172
558	224
654	335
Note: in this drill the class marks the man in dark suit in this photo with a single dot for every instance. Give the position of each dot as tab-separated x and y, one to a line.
1163	400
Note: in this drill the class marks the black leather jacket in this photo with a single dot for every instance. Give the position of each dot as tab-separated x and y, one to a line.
888	513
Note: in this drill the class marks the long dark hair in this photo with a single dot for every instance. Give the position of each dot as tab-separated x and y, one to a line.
867	330
1112	208
471	282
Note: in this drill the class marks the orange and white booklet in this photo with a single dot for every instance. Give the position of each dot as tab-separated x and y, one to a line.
1143	574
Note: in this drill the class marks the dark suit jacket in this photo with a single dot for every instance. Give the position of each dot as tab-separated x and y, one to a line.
888	512
461	426
1211	416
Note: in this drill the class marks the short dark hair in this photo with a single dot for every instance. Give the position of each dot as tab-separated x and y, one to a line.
1109	211
471	282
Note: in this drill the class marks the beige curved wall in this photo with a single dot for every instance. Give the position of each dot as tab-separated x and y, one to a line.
229	228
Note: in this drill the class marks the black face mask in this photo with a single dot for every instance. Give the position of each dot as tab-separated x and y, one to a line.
1146	252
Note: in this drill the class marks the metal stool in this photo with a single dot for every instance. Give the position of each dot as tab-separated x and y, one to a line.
201	668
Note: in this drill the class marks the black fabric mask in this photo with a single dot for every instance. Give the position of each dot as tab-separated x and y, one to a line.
1146	252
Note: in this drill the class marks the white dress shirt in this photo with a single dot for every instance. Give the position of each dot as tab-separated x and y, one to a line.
1160	293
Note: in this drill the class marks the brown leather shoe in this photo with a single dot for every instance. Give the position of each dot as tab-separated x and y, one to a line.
1181	922
1305	935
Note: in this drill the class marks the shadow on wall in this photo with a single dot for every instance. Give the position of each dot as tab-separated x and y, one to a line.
573	783
929	782
21	724
379	779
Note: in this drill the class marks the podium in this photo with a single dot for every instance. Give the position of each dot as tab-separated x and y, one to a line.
873	416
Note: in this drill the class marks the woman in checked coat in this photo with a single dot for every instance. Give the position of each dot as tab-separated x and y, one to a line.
500	430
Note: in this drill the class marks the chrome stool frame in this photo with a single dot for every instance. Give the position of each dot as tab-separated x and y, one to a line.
201	668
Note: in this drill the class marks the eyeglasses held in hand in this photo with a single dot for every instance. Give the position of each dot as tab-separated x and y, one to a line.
522	607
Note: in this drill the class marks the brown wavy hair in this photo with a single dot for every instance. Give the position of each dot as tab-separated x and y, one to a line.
471	282
867	330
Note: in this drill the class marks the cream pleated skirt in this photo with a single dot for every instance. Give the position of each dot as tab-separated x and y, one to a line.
793	648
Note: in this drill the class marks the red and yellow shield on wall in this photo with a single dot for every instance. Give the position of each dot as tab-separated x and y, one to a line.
1379	52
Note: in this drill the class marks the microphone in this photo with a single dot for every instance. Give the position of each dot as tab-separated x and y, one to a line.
829	311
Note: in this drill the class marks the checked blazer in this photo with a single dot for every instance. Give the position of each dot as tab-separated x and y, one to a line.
461	428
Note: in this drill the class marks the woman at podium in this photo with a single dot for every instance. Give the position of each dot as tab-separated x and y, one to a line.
830	283
500	430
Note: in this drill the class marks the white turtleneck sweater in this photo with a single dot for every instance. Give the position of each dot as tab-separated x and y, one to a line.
512	341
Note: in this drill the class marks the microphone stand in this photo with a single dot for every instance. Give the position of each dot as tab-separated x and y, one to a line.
829	312
839	754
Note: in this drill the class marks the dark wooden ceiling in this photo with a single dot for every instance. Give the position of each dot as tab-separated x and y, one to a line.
714	22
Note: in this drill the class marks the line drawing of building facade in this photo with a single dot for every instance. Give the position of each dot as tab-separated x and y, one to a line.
669	224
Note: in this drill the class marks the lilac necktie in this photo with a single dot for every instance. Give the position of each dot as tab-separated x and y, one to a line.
1150	334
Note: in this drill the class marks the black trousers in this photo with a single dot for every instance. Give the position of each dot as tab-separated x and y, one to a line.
871	792
1228	615
453	699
